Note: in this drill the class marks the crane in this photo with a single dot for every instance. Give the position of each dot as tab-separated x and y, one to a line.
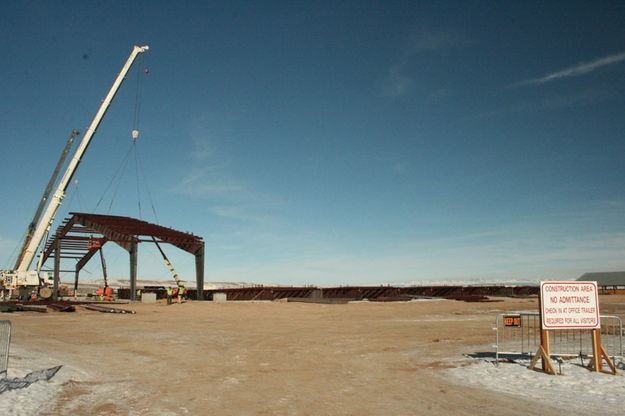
21	275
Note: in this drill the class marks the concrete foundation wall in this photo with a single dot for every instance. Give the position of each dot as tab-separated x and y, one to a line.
220	297
148	298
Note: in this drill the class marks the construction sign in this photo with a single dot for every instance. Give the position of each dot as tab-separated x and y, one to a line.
569	305
512	320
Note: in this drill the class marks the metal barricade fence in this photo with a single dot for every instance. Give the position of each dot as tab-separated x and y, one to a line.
5	341
519	334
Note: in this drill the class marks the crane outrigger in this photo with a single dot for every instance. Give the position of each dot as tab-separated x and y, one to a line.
21	276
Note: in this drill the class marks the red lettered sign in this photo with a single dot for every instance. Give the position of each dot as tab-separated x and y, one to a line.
566	305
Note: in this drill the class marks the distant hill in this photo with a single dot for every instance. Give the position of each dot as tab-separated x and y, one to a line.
118	283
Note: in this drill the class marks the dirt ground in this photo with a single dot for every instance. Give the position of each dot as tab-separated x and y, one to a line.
276	358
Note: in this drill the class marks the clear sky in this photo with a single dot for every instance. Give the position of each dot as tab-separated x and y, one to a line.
329	142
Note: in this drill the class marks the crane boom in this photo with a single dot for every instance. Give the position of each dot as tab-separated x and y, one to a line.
48	217
44	198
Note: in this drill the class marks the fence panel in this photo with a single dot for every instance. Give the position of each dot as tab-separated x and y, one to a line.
519	334
5	341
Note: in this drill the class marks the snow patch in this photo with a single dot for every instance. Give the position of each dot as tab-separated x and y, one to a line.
37	396
590	392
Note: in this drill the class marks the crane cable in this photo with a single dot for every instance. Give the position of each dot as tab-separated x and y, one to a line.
145	182
137	112
135	135
77	194
119	173
13	256
135	128
117	177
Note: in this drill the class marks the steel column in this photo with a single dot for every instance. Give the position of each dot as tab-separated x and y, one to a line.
199	272
76	281
57	268
133	270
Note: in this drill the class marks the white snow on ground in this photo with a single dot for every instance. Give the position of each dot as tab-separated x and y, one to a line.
588	392
585	391
36	397
42	396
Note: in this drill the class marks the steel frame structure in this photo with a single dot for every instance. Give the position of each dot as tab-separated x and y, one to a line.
74	237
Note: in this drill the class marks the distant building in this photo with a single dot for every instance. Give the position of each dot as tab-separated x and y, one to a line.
606	280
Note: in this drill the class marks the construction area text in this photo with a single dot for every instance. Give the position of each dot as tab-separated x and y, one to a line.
569	305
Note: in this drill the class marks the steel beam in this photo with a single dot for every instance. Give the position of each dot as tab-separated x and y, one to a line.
85	259
61	232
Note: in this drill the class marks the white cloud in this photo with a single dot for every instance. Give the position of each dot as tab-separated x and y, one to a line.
435	40
202	148
572	99
396	164
204	182
397	83
207	176
441	94
401	168
577	70
227	211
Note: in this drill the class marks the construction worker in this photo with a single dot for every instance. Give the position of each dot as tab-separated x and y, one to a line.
169	295
139	294
108	293
180	293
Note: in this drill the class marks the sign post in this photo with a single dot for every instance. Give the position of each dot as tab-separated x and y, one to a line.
543	352
570	305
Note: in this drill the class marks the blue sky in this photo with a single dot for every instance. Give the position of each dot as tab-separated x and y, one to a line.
330	142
